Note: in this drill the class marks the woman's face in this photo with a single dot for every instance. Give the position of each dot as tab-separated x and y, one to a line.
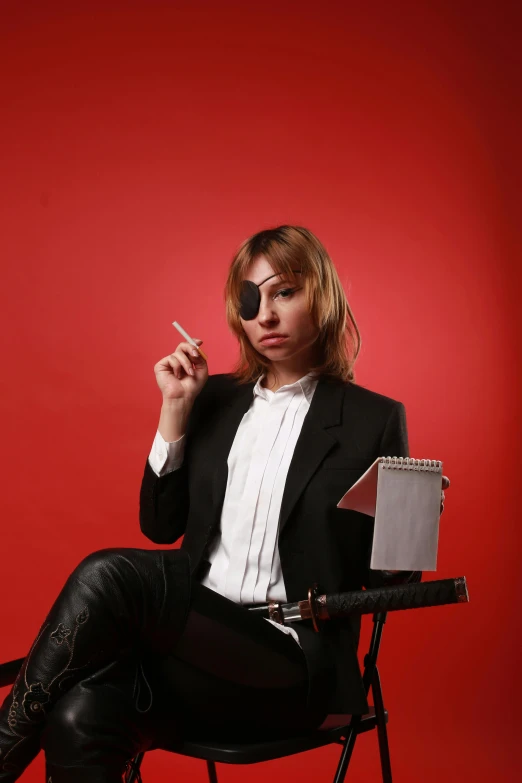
283	310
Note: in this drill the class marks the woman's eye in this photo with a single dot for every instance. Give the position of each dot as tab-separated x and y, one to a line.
285	292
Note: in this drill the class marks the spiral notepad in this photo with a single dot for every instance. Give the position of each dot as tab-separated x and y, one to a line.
403	495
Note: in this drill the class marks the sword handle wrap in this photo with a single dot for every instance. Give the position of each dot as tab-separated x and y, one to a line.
390	599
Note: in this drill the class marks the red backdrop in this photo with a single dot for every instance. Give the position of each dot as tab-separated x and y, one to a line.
142	142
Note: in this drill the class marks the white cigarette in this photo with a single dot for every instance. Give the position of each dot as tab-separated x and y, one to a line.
188	338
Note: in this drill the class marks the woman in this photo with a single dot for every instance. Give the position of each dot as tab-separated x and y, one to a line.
144	646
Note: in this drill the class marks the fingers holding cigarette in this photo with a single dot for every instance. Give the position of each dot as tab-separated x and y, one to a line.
185	360
197	352
182	374
189	339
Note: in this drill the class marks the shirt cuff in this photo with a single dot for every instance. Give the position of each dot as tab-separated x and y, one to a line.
166	457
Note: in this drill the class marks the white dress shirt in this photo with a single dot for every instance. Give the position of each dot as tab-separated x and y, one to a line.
244	556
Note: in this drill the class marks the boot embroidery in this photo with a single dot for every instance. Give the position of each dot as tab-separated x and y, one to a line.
61	634
81	618
37	697
30	700
35	701
11	716
8	766
26	664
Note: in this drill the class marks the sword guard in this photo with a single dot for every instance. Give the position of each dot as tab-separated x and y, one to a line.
312	597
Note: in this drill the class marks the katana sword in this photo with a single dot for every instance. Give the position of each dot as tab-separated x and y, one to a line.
376	599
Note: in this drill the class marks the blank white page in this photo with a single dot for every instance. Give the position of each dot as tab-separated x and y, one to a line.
406	519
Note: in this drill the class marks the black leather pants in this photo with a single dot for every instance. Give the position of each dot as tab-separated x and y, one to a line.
131	657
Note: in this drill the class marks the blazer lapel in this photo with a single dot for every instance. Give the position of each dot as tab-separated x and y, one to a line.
314	442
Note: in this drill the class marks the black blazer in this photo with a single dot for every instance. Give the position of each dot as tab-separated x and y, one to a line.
346	428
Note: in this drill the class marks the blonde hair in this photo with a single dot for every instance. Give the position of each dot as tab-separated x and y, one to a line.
287	248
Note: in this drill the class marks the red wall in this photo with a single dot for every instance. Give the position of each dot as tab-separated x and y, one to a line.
141	143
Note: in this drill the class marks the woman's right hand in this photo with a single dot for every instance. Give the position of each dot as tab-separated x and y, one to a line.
181	375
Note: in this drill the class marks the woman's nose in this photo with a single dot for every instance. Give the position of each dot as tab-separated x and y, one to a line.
267	313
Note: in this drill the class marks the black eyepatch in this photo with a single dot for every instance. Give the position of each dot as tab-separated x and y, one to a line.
250	297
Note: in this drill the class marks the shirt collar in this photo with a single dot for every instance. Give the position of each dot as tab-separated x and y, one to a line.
306	384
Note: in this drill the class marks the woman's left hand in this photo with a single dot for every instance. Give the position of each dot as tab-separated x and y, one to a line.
445	485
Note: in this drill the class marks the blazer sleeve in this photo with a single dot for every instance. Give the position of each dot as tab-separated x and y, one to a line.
164	504
164	501
394	443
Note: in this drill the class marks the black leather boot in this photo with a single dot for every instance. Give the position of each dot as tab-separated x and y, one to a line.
103	722
115	602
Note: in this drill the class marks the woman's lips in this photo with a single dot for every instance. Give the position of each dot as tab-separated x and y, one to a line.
273	340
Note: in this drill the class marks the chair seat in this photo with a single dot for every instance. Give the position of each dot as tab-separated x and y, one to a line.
332	729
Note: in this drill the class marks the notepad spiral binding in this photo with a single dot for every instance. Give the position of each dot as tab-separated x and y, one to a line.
407	463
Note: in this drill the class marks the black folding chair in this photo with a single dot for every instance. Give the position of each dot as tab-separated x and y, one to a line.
341	729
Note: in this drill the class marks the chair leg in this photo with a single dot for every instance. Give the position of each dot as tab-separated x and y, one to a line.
212	774
382	733
347	750
133	774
